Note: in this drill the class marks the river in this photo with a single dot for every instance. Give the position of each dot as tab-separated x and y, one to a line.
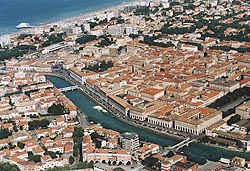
195	151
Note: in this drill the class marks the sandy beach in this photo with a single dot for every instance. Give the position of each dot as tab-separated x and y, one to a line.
79	18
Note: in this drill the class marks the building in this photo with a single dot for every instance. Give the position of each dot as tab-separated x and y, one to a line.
142	111
150	94
129	141
238	162
116	29
147	150
82	76
4	40
119	104
243	110
246	143
188	166
167	164
196	121
53	48
211	166
224	85
108	156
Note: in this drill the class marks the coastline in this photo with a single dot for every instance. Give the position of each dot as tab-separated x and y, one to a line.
75	18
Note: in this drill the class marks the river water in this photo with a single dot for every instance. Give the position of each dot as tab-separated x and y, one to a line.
195	151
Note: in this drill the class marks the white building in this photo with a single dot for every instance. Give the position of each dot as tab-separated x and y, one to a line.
196	121
129	141
117	29
4	40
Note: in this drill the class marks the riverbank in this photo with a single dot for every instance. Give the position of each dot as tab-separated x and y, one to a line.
87	11
196	152
117	116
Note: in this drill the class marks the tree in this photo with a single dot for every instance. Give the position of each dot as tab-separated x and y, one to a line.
128	163
133	36
77	138
20	145
16	51
15	127
46	43
86	38
56	109
8	167
170	154
22	36
35	124
51	153
4	133
11	146
44	123
35	158
84	165
150	161
162	70
65	168
75	150
103	64
233	119
71	160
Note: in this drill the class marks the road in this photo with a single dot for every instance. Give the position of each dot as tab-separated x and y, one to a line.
82	118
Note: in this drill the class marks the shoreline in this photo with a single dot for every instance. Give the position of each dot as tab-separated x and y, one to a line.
75	18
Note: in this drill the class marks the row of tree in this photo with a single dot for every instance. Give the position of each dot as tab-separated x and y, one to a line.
86	39
228	48
16	51
77	138
8	167
53	39
230	97
35	124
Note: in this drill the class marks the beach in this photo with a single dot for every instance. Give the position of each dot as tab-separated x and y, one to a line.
87	14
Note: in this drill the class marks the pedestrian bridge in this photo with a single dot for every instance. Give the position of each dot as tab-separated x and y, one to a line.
181	144
70	88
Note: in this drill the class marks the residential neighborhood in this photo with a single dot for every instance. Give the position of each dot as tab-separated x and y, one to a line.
177	69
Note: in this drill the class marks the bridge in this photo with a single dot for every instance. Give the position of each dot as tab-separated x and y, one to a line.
181	144
70	88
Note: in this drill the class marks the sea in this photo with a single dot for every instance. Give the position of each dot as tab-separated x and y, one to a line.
39	12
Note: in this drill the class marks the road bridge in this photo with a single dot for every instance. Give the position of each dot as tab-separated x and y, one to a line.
181	144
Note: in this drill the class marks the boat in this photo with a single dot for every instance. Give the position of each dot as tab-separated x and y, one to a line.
104	111
23	25
99	108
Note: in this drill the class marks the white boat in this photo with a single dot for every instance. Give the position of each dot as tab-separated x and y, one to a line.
23	25
104	111
99	108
